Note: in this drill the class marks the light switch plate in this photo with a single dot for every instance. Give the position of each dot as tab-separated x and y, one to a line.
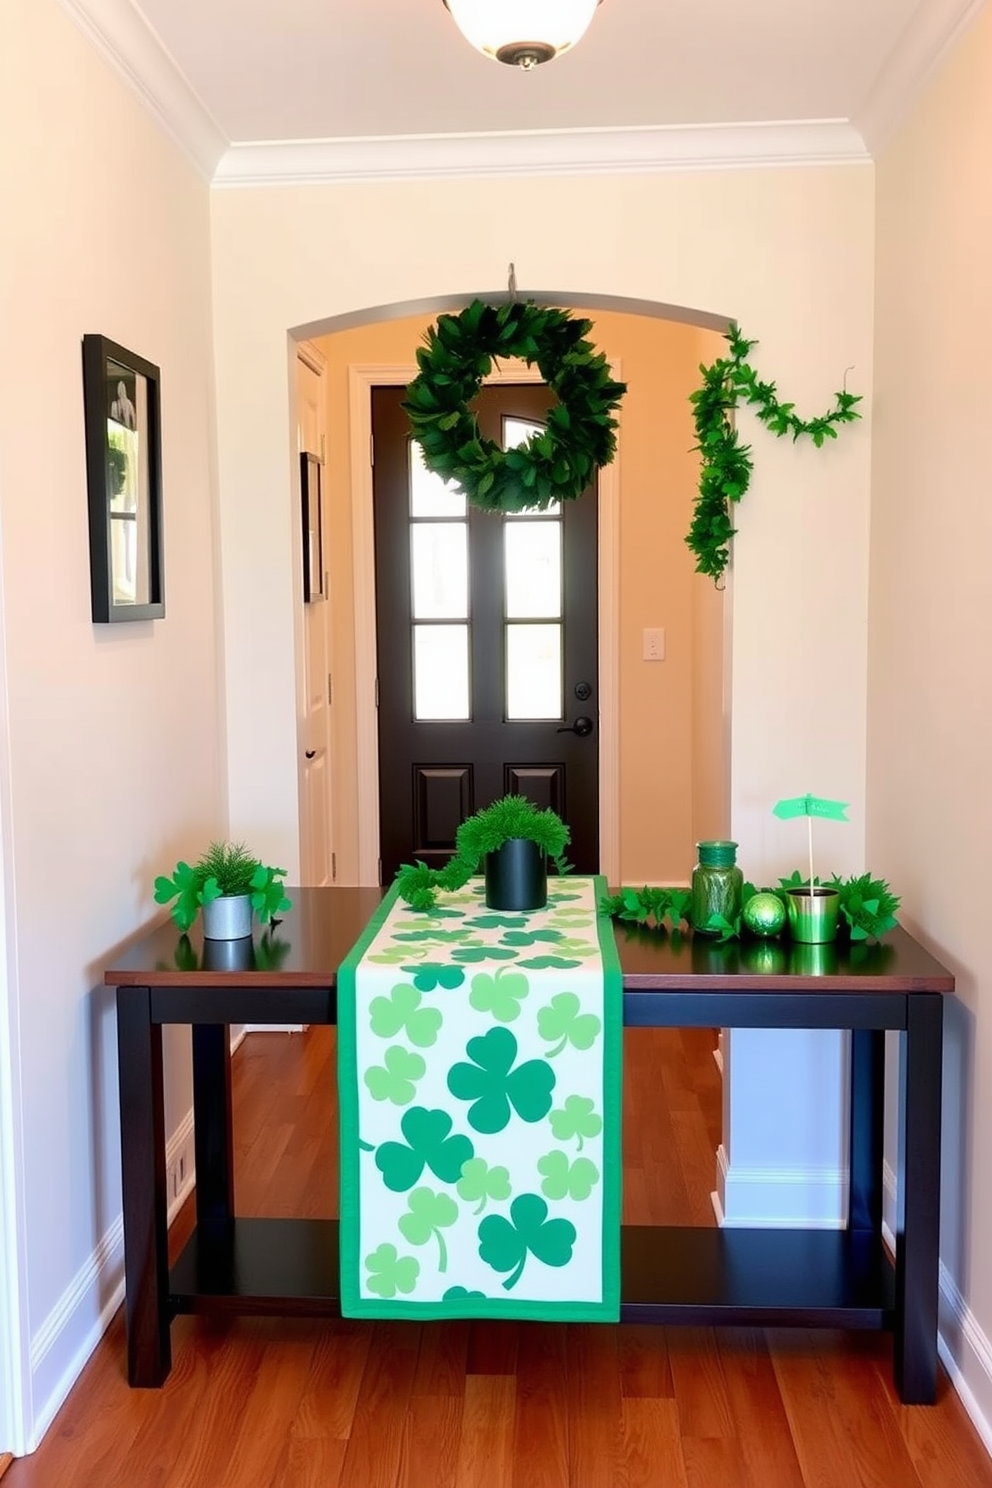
654	643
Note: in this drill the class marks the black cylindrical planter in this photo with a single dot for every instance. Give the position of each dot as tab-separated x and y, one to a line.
517	876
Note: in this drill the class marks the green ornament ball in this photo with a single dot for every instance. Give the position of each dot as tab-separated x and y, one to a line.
764	914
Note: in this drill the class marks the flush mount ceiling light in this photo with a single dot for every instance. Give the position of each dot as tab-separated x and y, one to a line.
522	32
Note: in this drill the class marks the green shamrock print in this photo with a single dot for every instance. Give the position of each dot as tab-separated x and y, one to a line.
402	1010
564	1020
460	1294
445	937
497	922
494	1086
430	976
396	1078
539	963
428	1213
393	954
500	995
430	1145
390	1273
482	953
576	1118
505	1244
428	921
564	1179
574	919
479	1183
530	937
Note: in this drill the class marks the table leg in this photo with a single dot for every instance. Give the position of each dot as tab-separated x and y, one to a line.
213	1125
867	1122
143	1182
918	1236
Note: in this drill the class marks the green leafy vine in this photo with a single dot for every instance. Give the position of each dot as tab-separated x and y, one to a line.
726	464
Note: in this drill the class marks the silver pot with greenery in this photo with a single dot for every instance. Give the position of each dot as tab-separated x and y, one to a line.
228	883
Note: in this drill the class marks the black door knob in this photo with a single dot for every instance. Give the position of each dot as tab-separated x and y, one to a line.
310	753
582	726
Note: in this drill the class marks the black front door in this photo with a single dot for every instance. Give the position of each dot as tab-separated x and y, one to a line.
487	634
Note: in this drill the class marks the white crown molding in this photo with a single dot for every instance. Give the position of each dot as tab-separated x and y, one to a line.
933	30
543	153
125	40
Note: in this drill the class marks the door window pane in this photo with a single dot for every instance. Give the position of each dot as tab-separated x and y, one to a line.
440	672
430	496
532	567
439	560
533	671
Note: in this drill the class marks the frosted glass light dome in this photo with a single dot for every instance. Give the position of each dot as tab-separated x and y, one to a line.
523	33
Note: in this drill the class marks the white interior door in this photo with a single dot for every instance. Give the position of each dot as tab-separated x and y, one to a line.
316	807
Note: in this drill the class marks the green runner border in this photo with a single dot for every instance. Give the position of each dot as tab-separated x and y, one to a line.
353	1304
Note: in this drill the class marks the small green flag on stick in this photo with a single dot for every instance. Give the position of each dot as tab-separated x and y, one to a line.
810	806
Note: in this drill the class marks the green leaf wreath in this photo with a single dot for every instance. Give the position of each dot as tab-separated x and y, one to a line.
555	465
726	462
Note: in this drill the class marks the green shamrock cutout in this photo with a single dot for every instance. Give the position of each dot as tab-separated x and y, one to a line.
480	1183
482	953
504	1244
460	1294
431	975
574	946
564	1020
555	896
497	922
577	1118
427	921
564	1179
393	954
575	919
500	995
390	1273
530	937
396	1078
427	1214
430	1145
540	963
401	1010
494	1086
444	936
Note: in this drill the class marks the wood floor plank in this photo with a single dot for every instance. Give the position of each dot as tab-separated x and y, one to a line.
330	1396
376	1442
432	1440
645	1370
761	1424
443	1361
540	1439
485	1452
700	1387
595	1406
651	1447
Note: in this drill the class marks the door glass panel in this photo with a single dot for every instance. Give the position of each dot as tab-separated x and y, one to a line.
518	431
439	558
532	565
430	496
440	672
533	671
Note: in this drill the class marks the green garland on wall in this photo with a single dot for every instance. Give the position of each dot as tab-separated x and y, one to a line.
726	462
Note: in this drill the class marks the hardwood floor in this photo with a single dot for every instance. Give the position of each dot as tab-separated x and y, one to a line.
280	1403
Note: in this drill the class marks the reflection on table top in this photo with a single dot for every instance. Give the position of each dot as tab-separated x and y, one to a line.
306	947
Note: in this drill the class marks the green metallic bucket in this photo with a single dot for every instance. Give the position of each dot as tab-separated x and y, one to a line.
812	917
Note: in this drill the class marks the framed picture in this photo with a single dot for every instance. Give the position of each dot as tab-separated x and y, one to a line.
314	586
124	482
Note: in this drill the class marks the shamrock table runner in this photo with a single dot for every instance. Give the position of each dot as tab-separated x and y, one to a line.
479	1074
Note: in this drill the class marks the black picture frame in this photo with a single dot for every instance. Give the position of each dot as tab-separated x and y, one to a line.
122	413
314	584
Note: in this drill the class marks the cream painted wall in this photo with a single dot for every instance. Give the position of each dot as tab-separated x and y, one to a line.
930	708
114	733
664	707
788	252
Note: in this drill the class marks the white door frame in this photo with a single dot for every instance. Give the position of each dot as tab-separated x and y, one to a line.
362	379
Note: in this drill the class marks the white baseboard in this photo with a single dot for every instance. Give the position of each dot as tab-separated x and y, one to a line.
780	1198
81	1316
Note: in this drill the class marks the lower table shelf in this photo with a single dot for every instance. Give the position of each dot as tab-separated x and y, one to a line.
762	1278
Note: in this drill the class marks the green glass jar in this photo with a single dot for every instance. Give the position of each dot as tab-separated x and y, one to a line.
716	885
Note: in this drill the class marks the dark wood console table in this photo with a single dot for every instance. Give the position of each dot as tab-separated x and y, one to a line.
836	1278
